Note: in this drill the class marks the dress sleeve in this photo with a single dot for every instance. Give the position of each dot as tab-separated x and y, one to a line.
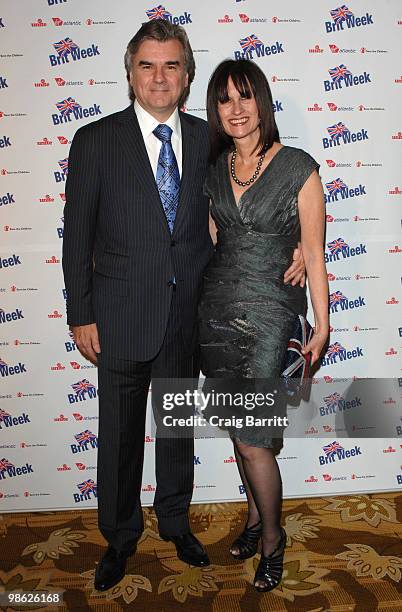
304	165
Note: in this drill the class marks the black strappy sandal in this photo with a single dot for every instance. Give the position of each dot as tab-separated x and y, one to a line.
270	568
247	542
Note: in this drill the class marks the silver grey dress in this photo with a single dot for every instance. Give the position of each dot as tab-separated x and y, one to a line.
246	311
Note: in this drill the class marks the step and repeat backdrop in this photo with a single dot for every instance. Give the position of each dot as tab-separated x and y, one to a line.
335	73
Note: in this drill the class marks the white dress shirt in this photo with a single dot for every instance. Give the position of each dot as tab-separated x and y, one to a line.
152	143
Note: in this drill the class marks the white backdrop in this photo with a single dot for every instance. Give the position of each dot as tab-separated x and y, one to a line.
344	77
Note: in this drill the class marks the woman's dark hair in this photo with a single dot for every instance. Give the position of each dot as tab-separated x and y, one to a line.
249	80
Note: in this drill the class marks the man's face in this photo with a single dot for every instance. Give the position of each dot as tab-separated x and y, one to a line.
158	76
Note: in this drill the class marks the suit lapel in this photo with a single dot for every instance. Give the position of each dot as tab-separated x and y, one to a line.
131	139
190	153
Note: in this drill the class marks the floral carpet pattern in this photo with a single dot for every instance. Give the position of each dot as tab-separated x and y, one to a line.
343	554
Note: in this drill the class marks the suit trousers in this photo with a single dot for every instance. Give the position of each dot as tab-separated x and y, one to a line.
123	394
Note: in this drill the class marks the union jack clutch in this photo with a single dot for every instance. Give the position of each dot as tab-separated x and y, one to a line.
296	366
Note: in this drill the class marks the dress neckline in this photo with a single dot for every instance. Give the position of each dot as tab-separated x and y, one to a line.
226	161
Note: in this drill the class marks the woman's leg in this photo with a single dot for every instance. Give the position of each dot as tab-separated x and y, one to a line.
253	514
263	478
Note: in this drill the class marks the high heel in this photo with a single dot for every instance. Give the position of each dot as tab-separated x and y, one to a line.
270	567
247	542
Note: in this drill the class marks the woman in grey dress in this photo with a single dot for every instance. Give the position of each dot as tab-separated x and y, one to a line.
264	197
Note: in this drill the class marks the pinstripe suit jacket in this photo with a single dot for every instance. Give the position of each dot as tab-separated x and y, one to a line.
118	253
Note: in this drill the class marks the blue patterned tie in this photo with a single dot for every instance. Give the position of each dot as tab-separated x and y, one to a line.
167	174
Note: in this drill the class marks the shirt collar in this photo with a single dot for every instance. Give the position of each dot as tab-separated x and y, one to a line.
148	123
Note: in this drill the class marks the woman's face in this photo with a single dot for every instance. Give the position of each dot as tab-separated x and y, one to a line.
239	114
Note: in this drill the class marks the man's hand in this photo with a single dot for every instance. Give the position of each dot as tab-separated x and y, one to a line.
87	340
296	273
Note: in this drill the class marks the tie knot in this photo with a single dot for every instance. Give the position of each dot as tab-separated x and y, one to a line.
163	132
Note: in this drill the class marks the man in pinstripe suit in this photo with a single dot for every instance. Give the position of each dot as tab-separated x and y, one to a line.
133	286
133	282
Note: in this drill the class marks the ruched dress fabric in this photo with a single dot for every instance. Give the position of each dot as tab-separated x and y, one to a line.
246	311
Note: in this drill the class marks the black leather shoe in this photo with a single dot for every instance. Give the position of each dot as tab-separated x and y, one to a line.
110	569
189	549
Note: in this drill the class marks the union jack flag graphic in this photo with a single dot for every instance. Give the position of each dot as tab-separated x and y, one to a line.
85	436
336	130
337	245
335	186
67	106
5	464
335	349
336	298
296	366
339	72
65	46
341	13
88	486
82	386
332	401
63	163
250	42
332	448
158	12
3	414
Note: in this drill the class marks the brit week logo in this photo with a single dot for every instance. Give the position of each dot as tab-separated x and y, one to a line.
338	190
70	110
252	48
338	302
12	315
83	390
160	12
8	469
7	420
61	175
336	403
336	353
336	452
344	19
341	77
68	51
339	249
86	489
11	370
86	440
340	134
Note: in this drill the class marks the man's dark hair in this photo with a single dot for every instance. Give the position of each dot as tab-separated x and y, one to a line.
249	81
162	31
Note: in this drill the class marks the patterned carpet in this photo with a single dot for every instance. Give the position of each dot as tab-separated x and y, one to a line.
343	554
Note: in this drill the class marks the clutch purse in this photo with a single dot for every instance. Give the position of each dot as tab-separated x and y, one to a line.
296	367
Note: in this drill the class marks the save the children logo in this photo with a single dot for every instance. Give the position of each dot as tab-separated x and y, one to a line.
334	451
342	77
338	190
70	110
160	12
340	134
344	19
68	51
252	48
